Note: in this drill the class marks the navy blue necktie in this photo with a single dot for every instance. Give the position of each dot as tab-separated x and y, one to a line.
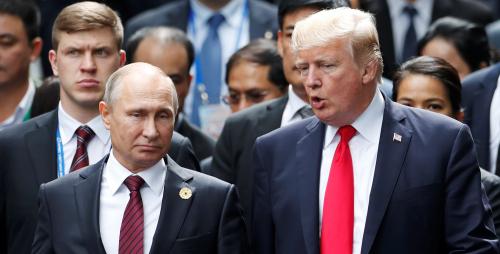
410	42
211	65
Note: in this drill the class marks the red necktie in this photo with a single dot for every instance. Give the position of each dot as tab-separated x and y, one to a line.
83	136
132	228
338	206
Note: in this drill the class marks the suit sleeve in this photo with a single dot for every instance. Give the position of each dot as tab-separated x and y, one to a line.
491	185
469	227
223	165
262	223
232	236
42	242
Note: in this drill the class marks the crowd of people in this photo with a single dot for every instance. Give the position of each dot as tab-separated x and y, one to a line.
250	126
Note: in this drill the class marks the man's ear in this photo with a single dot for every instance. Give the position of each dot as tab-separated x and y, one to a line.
53	61
279	42
370	72
105	114
123	57
36	48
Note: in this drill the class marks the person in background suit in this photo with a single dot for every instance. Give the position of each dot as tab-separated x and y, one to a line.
481	101
254	74
232	160
365	175
170	50
391	12
461	43
234	22
20	44
433	84
88	38
170	209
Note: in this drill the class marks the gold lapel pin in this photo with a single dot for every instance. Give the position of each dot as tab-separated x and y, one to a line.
185	193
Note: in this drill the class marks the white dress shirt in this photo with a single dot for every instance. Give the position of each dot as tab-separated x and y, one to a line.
494	127
363	147
115	196
22	108
96	148
293	105
228	33
400	21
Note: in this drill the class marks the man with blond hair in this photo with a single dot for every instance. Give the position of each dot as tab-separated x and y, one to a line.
365	175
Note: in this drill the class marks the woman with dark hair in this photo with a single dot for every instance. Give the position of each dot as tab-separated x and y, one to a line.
433	84
461	43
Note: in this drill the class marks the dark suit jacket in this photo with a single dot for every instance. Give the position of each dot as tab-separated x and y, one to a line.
28	158
211	221
477	92
426	195
232	161
262	15
466	9
491	184
203	144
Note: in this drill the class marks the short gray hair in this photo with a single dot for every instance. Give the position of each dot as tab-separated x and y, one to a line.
357	26
115	80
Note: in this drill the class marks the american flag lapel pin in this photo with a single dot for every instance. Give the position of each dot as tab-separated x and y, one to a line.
396	137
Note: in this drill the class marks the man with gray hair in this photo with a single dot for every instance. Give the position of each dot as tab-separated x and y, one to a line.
136	200
365	175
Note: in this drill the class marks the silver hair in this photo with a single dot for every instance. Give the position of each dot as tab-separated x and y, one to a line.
357	26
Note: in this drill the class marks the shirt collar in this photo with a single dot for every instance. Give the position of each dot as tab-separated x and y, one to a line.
424	8
22	108
232	12
295	102
68	126
372	116
116	173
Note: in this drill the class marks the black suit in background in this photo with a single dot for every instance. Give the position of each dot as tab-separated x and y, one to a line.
262	16
28	158
477	93
466	9
232	161
210	221
203	145
491	184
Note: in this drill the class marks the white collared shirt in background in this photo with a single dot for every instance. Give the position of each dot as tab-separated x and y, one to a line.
228	34
400	21
363	146
96	148
22	108
114	197
494	127
293	105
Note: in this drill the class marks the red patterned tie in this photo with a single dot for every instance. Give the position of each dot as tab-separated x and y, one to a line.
338	209
132	229
83	136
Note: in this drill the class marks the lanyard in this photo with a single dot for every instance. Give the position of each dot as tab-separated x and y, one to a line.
197	65
27	116
60	155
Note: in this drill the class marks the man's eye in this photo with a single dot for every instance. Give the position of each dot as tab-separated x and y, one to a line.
256	96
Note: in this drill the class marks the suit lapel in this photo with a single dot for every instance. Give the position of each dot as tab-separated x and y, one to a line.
41	147
271	120
173	209
391	155
481	114
87	196
308	163
259	25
